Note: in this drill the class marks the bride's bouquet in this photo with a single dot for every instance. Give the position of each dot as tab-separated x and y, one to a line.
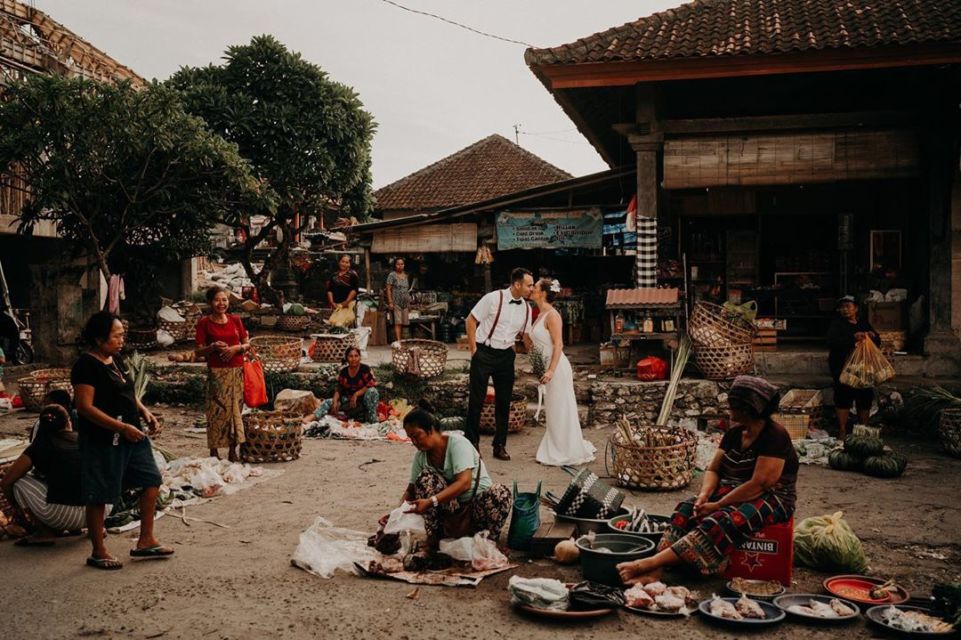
539	367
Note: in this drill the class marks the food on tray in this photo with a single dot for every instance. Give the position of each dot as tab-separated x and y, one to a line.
638	598
658	597
757	588
749	608
669	602
724	609
800	609
912	620
884	591
655	588
641	522
842	609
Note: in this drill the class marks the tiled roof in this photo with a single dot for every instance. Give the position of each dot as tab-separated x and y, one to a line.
709	28
492	167
641	297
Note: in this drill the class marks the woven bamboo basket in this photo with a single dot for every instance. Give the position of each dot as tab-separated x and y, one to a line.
330	347
190	325
34	388
272	437
292	323
798	410
797	424
140	339
431	357
277	354
176	328
712	326
654	468
723	363
950	431
516	419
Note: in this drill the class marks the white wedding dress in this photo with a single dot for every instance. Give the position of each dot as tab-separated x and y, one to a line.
563	444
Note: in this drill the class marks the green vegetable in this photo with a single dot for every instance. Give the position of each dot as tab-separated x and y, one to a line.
828	543
863	446
296	310
843	461
890	465
454	423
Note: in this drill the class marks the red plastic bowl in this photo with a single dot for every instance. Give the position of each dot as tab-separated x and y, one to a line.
857	588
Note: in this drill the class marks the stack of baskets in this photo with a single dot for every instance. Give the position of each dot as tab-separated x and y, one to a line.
191	314
277	354
798	411
272	437
723	341
330	347
950	431
653	458
431	357
176	328
516	419
35	387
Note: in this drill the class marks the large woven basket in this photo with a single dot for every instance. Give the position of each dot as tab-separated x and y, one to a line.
277	354
431	357
950	431
723	363
176	328
272	437
661	468
799	410
713	326
34	388
516	419
140	339
292	323
330	347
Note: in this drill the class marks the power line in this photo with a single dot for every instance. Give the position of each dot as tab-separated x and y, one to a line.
457	24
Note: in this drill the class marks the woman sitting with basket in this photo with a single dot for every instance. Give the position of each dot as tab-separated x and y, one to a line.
356	394
449	483
749	484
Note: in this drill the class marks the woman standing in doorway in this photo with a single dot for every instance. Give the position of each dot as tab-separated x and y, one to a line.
398	297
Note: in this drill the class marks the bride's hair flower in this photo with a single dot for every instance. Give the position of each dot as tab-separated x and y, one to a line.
555	286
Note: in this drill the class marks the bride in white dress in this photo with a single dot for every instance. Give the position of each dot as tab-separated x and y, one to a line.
563	444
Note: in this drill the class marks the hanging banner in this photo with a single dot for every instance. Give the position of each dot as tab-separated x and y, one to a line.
566	230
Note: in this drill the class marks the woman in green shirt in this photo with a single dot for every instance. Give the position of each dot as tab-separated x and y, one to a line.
443	476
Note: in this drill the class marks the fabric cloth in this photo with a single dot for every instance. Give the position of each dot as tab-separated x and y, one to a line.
340	285
400	316
113	393
756	392
841	342
563	442
487	363
489	510
707	543
846	397
225	404
57	459
645	261
460	455
31	493
738	463
514	319
399	289
106	469
366	410
115	293
231	332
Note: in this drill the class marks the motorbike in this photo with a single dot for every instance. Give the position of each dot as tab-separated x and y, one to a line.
16	336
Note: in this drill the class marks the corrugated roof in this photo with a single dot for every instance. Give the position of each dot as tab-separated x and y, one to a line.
489	168
711	28
641	297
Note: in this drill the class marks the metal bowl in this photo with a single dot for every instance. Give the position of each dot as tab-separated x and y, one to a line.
584	525
599	560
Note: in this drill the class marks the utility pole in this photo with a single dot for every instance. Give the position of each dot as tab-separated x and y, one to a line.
517	131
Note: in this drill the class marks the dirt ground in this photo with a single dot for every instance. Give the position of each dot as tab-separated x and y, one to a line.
237	582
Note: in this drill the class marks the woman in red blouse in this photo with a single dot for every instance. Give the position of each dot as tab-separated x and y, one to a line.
356	395
222	341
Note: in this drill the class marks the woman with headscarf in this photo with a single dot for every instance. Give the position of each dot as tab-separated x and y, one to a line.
749	484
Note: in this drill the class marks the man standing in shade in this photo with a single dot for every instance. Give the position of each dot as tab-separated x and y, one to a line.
492	328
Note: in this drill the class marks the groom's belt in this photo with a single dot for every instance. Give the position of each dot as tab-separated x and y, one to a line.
495	349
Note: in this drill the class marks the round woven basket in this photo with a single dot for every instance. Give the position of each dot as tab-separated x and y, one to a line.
950	431
431	357
723	363
34	388
292	323
330	347
516	419
189	331
272	437
140	339
277	354
655	468
176	328
713	326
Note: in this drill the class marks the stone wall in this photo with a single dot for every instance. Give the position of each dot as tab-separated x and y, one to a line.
641	401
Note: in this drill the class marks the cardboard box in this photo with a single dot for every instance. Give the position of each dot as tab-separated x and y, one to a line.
377	321
887	316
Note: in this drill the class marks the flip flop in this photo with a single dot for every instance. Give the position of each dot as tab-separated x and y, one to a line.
27	542
107	564
158	551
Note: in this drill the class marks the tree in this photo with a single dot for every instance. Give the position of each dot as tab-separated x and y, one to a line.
124	173
306	136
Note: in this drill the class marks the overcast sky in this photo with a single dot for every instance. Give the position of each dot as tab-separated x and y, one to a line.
433	88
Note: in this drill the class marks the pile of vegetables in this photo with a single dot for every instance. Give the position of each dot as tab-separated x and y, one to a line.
868	455
828	543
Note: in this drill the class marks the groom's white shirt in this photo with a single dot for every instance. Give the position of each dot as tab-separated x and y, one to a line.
515	319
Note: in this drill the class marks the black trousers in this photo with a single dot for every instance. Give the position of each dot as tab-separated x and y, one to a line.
490	363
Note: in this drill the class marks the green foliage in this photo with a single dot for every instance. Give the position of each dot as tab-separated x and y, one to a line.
139	369
191	390
923	407
127	175
320	384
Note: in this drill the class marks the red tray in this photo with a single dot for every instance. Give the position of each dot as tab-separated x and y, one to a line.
857	588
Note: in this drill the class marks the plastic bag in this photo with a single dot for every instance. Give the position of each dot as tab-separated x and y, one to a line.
401	519
651	368
324	548
165	338
255	386
829	543
343	317
480	551
542	593
866	367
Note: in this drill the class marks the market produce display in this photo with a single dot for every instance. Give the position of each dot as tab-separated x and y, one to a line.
639	521
818	609
657	597
867	454
828	543
756	588
913	620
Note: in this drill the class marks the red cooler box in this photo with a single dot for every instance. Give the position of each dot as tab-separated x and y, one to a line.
767	555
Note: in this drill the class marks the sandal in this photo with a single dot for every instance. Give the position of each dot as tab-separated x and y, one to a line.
157	551
108	564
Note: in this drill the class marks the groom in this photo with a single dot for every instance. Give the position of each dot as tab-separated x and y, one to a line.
492	327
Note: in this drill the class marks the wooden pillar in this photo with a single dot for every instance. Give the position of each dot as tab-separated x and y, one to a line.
367	268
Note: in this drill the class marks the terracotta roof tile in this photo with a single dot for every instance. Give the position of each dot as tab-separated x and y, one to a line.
492	167
706	28
641	297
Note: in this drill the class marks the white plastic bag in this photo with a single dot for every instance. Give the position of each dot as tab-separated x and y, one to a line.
324	548
480	551
401	520
164	338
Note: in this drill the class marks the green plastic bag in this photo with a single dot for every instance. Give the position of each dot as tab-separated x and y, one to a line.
829	543
525	519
